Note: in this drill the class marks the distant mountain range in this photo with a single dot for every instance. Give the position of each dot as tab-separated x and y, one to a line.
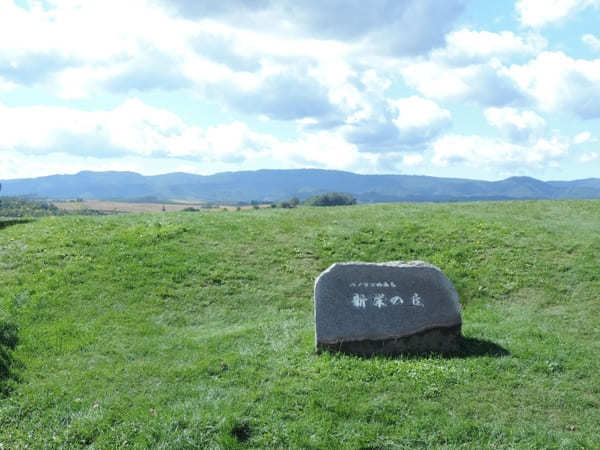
276	185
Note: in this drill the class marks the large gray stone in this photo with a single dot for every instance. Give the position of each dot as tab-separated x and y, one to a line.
386	308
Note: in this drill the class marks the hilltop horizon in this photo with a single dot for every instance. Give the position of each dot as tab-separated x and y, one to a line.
304	169
278	184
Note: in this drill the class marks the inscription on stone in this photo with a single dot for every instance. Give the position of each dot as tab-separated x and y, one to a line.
386	308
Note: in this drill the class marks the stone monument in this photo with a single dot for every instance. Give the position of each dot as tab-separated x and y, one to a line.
386	308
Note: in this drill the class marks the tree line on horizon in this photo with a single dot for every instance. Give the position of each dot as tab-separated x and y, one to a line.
328	199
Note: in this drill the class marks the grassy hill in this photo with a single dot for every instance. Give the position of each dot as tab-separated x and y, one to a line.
196	330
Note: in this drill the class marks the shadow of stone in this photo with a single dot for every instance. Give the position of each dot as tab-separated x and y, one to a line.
467	348
5	223
473	347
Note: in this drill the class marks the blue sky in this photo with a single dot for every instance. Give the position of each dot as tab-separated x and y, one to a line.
454	88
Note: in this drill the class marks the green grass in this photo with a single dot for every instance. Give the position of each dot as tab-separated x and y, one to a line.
184	330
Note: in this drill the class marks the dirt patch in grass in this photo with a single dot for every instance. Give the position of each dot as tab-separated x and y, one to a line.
113	207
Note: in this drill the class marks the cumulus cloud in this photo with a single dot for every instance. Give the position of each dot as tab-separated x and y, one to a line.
591	41
75	46
31	68
552	81
514	125
235	9
373	135
537	13
249	56
329	67
131	128
418	120
6	86
472	66
400	28
286	96
135	132
487	84
225	47
557	82
479	151
40	130
589	157
247	36
135	135
412	159
407	28
583	137
405	124
466	46
395	162
141	74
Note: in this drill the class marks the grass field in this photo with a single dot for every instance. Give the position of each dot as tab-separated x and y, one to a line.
181	330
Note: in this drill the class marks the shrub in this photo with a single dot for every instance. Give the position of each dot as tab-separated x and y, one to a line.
291	203
331	199
22	207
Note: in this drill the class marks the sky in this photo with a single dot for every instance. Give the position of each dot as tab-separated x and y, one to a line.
453	88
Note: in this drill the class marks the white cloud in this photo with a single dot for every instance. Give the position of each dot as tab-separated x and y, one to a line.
418	120
412	159
400	125
389	26
583	137
591	41
469	46
552	81
589	157
330	68
479	151
537	13
488	83
557	82
76	33
517	126
416	112
249	56
133	128
135	132
284	96
83	47
471	67
6	86
20	165
135	135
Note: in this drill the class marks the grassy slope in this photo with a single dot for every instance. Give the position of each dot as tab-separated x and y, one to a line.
192	330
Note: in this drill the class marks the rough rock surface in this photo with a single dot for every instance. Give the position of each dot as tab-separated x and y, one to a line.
386	308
